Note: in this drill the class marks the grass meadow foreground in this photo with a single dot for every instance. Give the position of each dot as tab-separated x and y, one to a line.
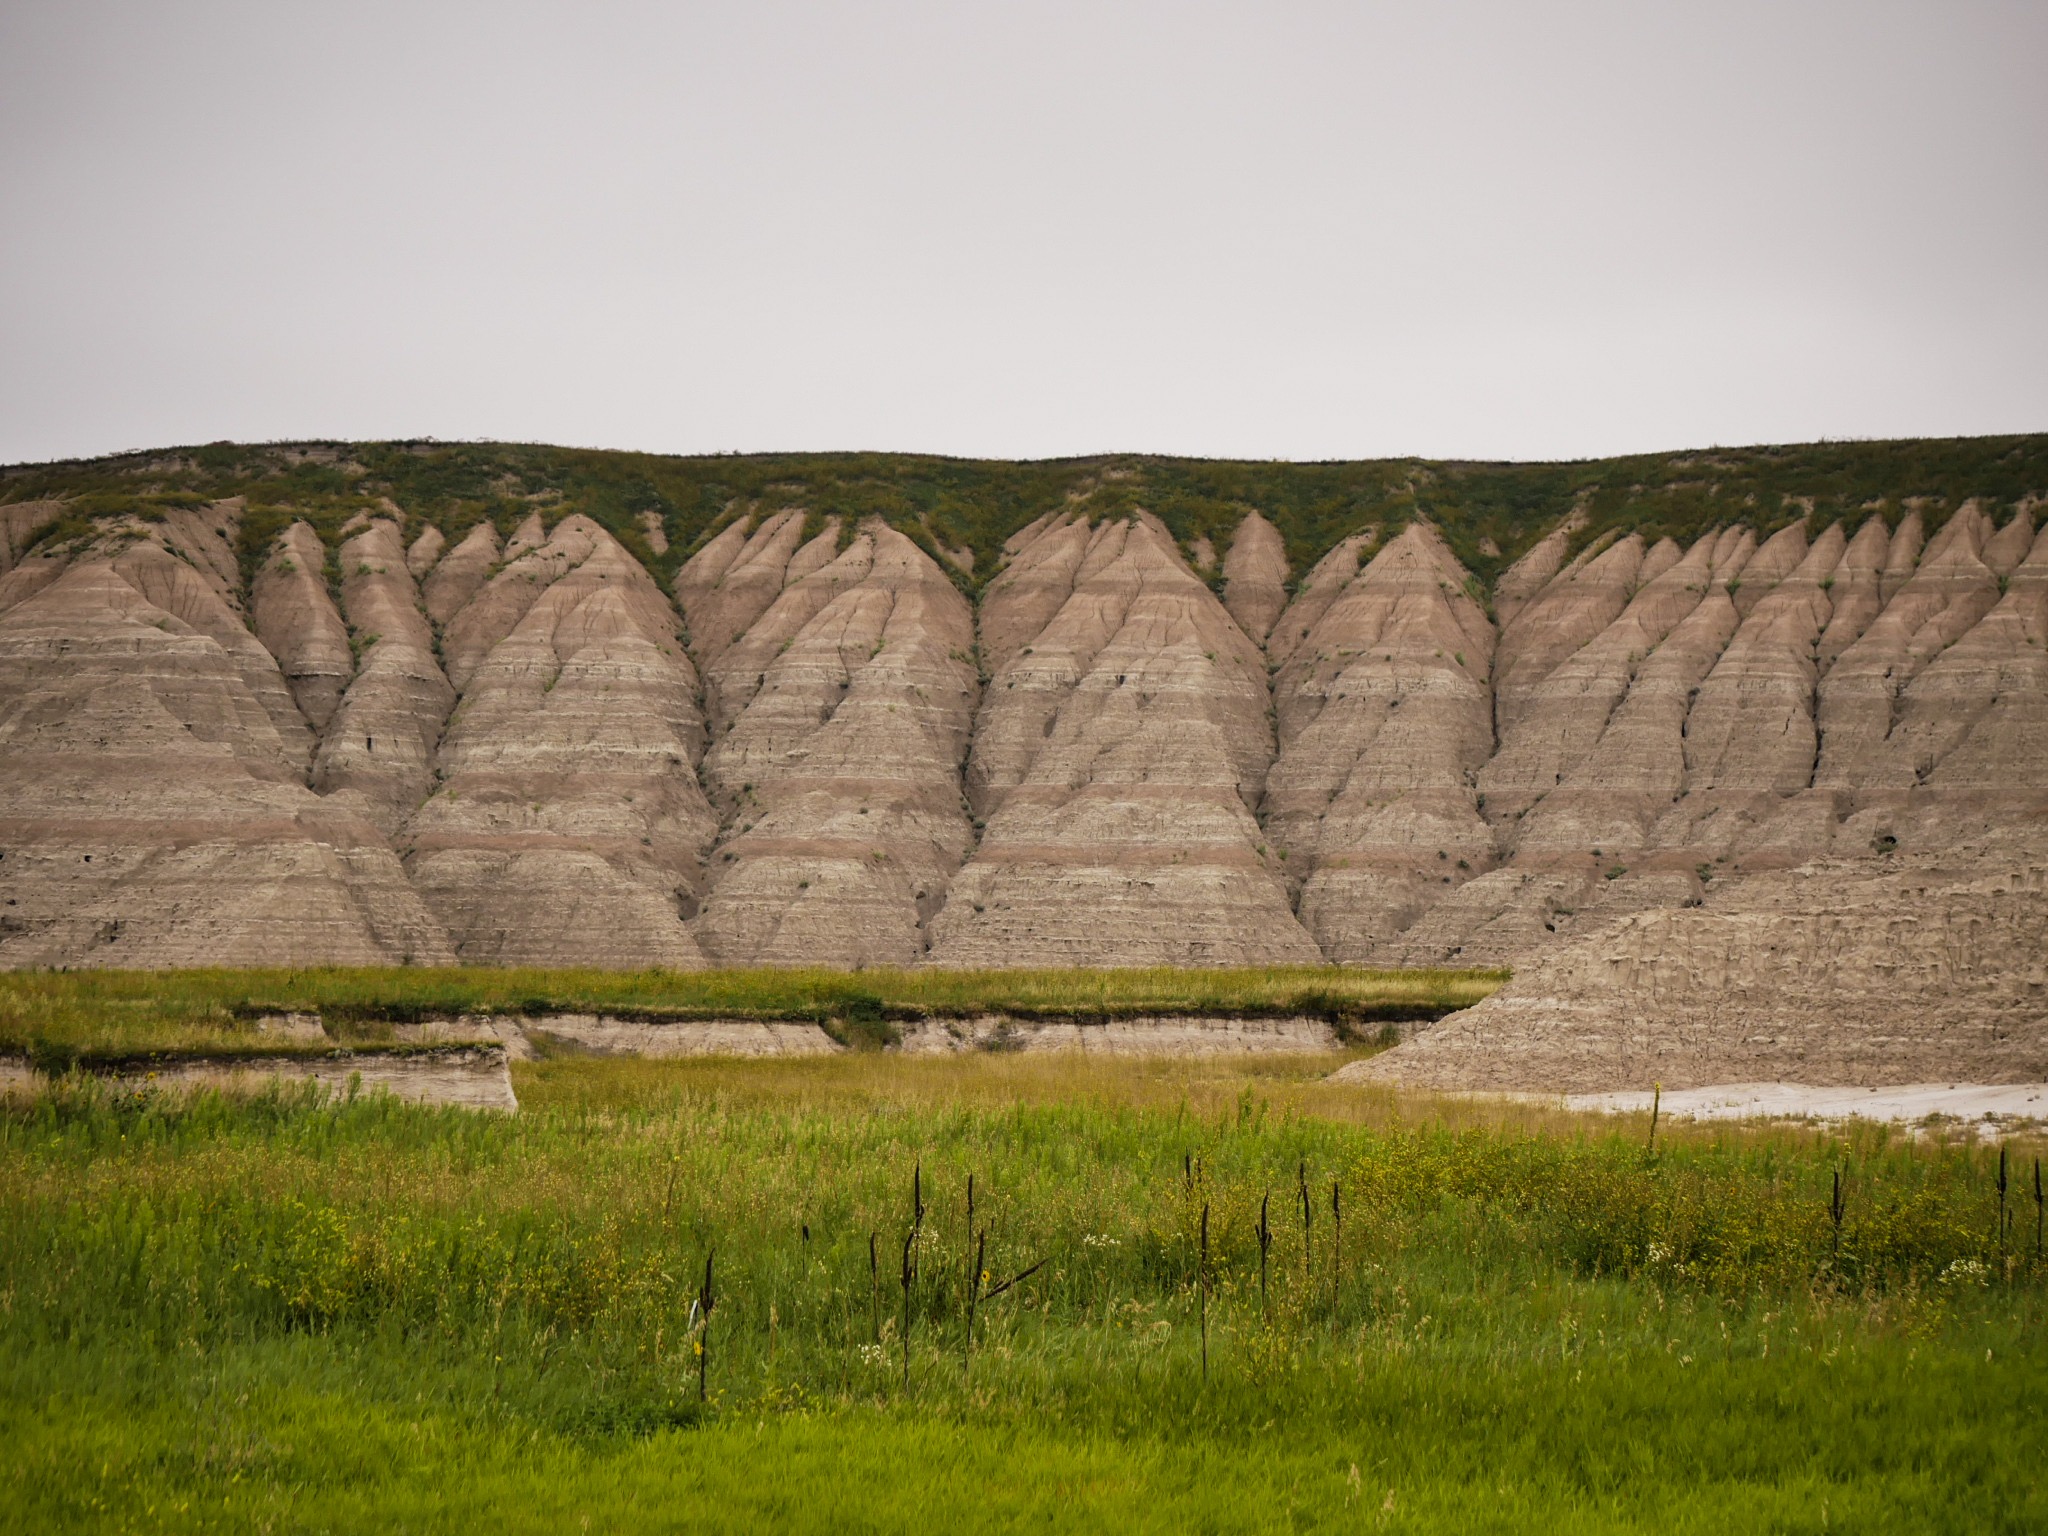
278	1314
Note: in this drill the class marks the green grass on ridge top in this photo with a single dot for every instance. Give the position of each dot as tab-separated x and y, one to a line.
114	1014
1490	513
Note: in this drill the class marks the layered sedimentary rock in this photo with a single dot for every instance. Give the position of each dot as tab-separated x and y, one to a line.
425	550
381	745
1973	725
1384	719
1325	581
1120	751
1929	967
188	583
1719	760
1255	576
1565	613
154	813
568	827
841	767
1533	571
19	522
1947	593
737	577
298	624
456	576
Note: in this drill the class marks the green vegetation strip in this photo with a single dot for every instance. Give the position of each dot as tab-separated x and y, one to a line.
284	1315
110	1017
1490	513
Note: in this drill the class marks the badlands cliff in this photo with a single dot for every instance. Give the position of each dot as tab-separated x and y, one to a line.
1788	758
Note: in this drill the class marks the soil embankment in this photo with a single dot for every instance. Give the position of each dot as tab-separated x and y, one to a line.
1918	969
1755	799
469	1077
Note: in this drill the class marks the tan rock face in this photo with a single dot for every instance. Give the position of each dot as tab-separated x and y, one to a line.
1570	610
1568	711
1854	591
1975	720
727	585
30	577
19	523
841	770
1255	576
1945	596
204	537
1751	729
569	827
1044	563
424	551
194	598
152	817
1690	739
458	575
1532	573
1384	720
296	621
494	753
1325	582
382	744
1119	752
1930	967
1903	555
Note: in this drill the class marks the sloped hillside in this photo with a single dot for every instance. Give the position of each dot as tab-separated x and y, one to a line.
414	703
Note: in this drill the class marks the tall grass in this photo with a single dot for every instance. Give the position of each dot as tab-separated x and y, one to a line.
63	1015
365	1307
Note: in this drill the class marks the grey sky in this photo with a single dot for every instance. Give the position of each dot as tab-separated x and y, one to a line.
1260	229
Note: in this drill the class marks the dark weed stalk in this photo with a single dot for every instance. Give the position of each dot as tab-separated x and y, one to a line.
2037	1211
910	1259
1301	1182
974	1267
704	1304
1336	1247
1265	1243
1015	1280
1656	1106
975	1278
1835	1212
2004	1220
874	1287
909	1275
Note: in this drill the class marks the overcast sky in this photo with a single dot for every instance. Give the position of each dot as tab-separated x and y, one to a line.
1264	229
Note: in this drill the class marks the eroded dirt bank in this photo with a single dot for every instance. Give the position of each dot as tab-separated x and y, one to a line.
468	1077
1747	805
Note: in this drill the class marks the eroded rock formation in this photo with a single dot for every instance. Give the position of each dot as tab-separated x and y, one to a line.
1920	968
1652	775
1117	763
840	771
154	814
568	826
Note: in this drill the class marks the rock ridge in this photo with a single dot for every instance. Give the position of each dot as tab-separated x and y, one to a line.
386	746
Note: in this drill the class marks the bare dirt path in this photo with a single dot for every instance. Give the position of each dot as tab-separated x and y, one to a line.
1905	1102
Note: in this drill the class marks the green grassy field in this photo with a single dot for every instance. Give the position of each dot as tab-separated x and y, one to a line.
275	1314
58	1017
